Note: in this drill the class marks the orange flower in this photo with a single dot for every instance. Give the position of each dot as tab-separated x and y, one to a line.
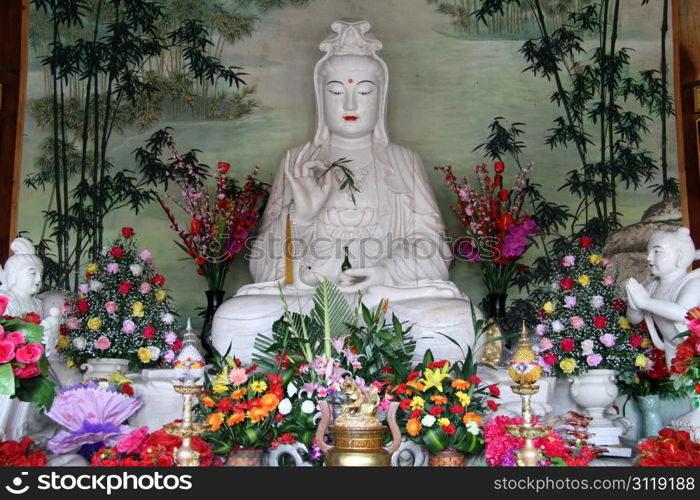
257	414
215	419
438	399
472	417
239	393
461	384
413	426
238	416
415	384
208	402
269	401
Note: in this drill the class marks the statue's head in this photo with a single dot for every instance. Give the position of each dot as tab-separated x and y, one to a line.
351	84
670	251
22	272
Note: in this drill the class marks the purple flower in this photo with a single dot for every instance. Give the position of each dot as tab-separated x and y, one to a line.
170	338
568	261
128	326
608	340
169	356
594	359
545	344
569	301
541	329
112	268
577	322
83	288
508	459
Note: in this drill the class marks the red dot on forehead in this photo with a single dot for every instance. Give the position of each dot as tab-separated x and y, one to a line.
350	80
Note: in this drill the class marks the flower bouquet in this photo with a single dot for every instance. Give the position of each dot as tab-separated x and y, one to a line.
93	415
583	324
21	454
498	231
670	449
314	353
685	365
219	222
442	406
23	365
239	404
122	311
501	447
157	449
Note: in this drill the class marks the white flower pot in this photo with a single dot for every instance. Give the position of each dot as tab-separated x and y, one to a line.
595	391
96	368
161	404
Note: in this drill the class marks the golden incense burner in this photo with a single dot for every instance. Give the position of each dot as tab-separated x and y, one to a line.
357	431
185	456
525	372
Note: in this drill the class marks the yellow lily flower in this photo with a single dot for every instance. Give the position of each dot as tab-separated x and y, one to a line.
434	378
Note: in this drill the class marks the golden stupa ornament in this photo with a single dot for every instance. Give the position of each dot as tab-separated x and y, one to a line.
525	371
357	431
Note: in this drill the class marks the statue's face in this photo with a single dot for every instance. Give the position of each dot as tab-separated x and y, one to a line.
663	257
351	100
28	281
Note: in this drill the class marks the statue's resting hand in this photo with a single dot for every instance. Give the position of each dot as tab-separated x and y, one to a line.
311	186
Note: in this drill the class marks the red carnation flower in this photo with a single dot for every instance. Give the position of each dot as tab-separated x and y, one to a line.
636	340
435	411
149	331
567	283
492	404
475	380
82	306
124	287
457	408
127	232
567	344
405	404
117	252
618	304
494	390
415	413
550	358
127	389
223	167
585	242
177	345
449	429
600	321
32	317
438	364
413	376
158	280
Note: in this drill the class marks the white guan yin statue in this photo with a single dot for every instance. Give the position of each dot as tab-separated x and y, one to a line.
664	303
21	282
393	229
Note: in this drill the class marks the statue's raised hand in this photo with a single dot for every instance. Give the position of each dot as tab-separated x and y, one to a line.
311	186
637	295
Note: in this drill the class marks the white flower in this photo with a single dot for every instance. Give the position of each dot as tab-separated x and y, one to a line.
308	407
155	352
105	251
167	318
597	302
554	287
79	343
102	384
587	346
136	269
285	406
291	389
557	326
428	421
473	428
95	286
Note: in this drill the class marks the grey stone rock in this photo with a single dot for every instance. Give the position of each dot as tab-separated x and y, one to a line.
634	238
664	211
631	265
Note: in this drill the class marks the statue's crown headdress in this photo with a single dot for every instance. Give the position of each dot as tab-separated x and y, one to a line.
351	37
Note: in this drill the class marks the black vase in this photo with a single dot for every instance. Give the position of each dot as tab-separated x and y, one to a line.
496	307
214	299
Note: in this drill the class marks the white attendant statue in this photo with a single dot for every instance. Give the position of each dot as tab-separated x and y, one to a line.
663	304
21	281
393	229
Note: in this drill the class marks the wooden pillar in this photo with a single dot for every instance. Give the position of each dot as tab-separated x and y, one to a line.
13	81
686	68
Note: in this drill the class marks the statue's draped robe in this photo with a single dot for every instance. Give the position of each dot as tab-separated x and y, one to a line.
408	210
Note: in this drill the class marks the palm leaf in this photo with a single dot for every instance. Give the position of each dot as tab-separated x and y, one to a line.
331	310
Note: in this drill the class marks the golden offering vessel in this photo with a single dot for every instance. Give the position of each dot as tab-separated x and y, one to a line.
357	431
525	372
185	456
